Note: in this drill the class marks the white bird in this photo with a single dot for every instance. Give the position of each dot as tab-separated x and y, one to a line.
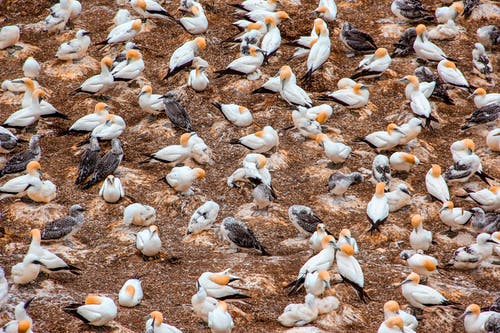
488	198
254	166
337	152
248	64
133	68
378	208
345	237
412	129
49	261
131	293
420	263
454	217
122	16
149	102
400	161
150	9
9	36
23	326
96	311
249	5
139	214
272	39
184	55
436	185
309	128
446	31
203	218
420	296
235	114
173	154
148	241
353	97
373	65
391	309
123	32
381	170
22	183
181	178
219	320
315	242
471	256
444	14
384	140
217	285
451	75
392	325
98	83
31	68
203	304
90	121
257	15
290	91
261	141
482	99
398	198
300	314
350	270
317	282
27	270
419	104
198	79
327	9
46	109
320	50
305	43
426	49
155	324
476	321
59	15
481	61
112	128
29	115
493	139
315	111
76	48
420	238
200	152
20	315
462	148
43	192
111	190
196	24
462	170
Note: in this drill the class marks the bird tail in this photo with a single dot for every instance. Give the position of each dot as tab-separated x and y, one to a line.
89	184
484	177
55	115
234	296
297	285
262	90
235	142
72	309
307	76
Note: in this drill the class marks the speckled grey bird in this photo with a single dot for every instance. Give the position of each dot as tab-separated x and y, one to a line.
425	74
493	323
19	161
404	46
304	220
64	227
175	112
107	164
240	235
89	161
263	196
481	61
381	170
483	115
8	141
411	10
484	222
338	183
489	35
469	6
357	40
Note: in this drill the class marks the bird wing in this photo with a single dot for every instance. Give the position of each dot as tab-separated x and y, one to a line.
177	115
58	228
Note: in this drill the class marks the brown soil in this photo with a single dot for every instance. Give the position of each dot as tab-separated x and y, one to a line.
107	262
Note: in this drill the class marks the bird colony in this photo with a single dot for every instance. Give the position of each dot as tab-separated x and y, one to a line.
250	167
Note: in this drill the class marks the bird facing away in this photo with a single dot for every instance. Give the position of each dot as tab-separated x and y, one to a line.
107	164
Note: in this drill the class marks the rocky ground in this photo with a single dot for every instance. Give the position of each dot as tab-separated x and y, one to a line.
105	249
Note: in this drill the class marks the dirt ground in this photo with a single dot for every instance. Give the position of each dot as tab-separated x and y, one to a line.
106	250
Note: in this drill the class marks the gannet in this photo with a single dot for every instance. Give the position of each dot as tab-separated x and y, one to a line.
431	85
308	128
198	23
95	311
249	5
150	9
263	197
451	75
89	161
471	256
436	185
350	270
400	161
173	154
392	325
248	64
31	68
9	36
203	218
235	114
378	208
482	99
316	282
259	142
181	178
239	235
481	62
29	115
254	166
217	285
123	32
219	320
484	222
337	152
476	321
338	183
345	237
315	242
200	152
20	315
155	324
412	129
320	49
303	219
462	170
64	227
198	79
90	121
58	17
257	15
22	183
327	9
420	238
391	309
98	83
43	192
423	265
122	16
111	190
384	140
488	198
404	46
489	35
76	48
148	241
426	49
46	109
133	68
299	314
483	115
27	270
4	288
149	102
130	293
373	65
356	40
272	39
354	97
107	164
177	115
203	304
112	128
19	161
184	55
410	10
492	139
139	214
419	104
398	198
420	296
443	14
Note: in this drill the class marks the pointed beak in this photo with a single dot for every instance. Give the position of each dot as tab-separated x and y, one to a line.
402	283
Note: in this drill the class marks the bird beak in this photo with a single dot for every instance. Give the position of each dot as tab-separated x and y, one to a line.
402	283
403	80
86	33
492	241
464	314
443	209
399	131
328	284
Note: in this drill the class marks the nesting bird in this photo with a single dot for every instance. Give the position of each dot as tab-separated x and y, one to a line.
111	189
76	48
181	178
130	293
420	239
203	218
337	152
148	241
239	235
95	311
9	36
339	183
373	65
378	208
436	185
259	142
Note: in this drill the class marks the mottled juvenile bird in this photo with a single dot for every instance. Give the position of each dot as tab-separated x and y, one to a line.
240	235
175	112
19	161
107	164
89	161
64	227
